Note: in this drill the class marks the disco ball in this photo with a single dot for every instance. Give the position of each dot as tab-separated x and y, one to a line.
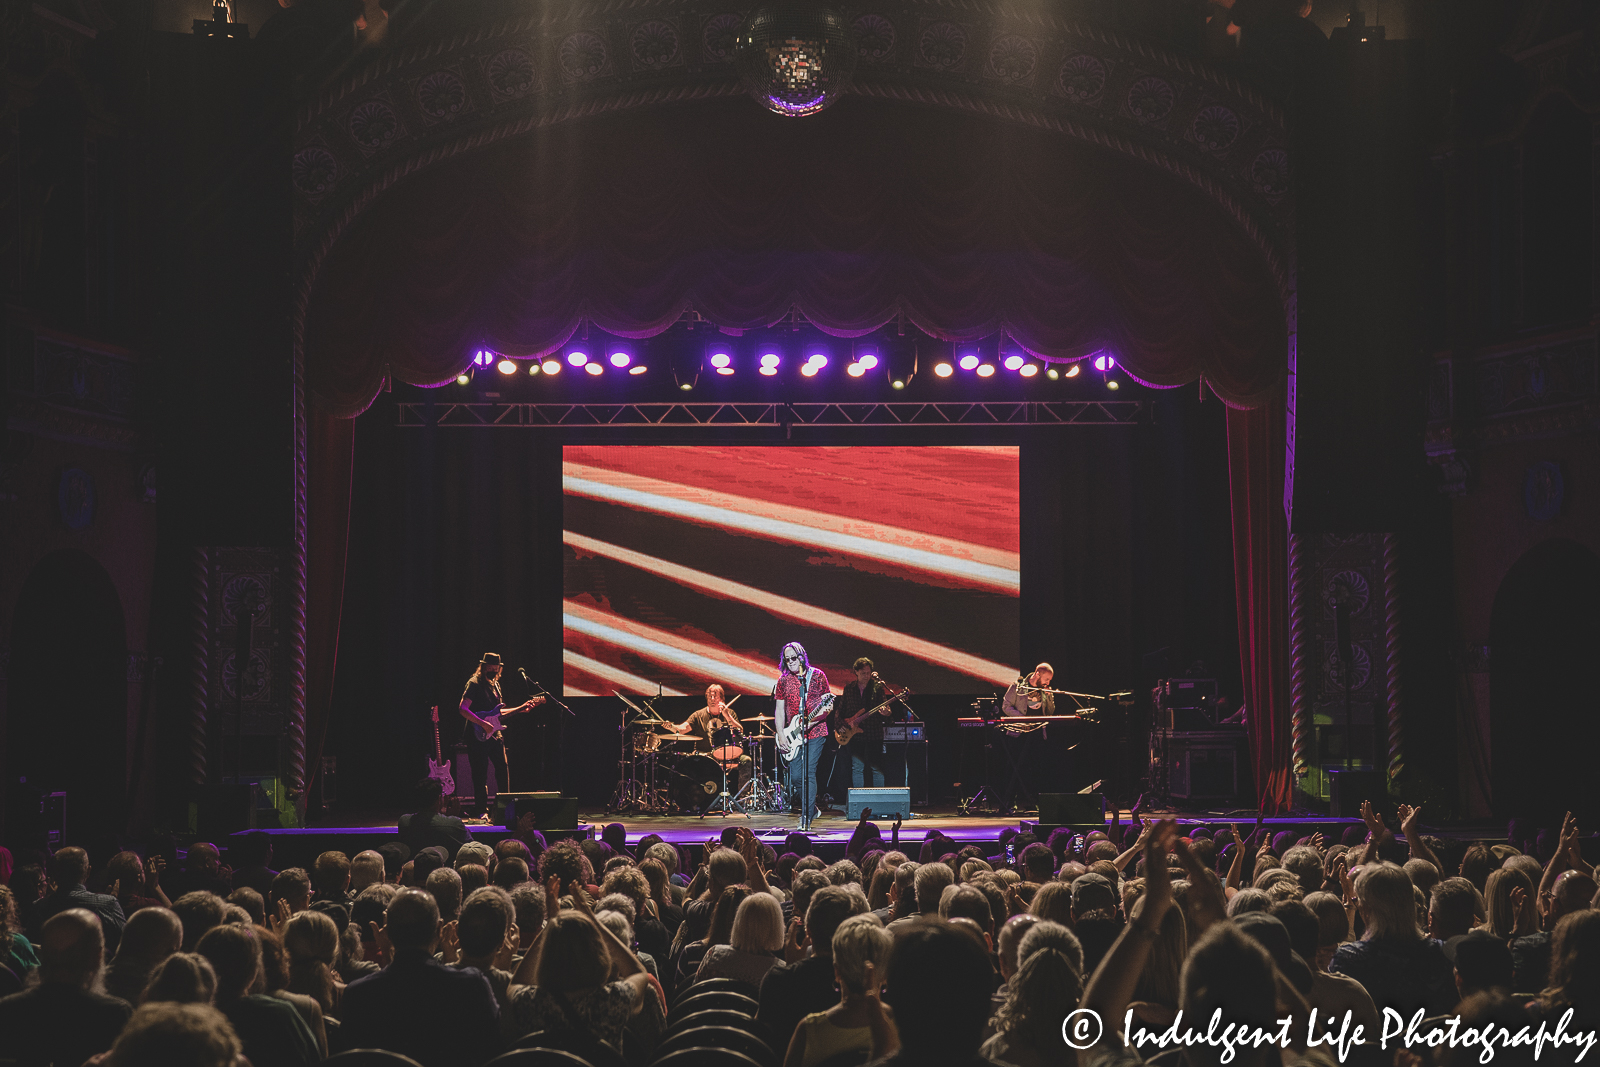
795	57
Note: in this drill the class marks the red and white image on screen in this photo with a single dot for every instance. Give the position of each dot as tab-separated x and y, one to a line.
691	565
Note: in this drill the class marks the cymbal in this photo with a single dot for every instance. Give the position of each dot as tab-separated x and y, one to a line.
759	718
672	737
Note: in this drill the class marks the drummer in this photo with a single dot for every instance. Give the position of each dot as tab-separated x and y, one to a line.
716	715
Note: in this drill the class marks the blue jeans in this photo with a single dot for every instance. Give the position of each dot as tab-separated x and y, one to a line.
800	776
866	767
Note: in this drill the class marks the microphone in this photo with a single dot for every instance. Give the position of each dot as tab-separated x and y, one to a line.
524	674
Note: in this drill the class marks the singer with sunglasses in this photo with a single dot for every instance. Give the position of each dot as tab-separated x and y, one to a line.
803	701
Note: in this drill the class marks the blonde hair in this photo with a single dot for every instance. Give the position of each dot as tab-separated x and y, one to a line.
758	924
311	940
181	978
1504	920
858	941
1387	903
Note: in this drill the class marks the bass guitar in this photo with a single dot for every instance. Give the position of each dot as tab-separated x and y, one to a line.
437	767
493	718
853	725
794	731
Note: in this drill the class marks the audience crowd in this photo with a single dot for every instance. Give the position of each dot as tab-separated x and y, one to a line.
730	953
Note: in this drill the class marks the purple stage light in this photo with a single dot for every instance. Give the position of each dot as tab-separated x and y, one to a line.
1014	362
986	371
594	368
769	361
577	357
551	366
721	360
637	368
1104	362
482	358
620	359
818	359
868	361
969	361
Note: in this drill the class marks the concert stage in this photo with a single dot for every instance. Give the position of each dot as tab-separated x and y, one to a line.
301	846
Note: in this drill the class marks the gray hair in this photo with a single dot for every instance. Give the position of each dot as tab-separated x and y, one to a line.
859	940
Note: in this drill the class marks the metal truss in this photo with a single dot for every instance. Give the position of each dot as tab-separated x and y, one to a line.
768	415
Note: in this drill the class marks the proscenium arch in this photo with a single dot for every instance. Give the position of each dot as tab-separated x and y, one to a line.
409	111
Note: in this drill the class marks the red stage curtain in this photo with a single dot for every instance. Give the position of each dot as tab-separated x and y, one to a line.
1261	581
964	225
330	461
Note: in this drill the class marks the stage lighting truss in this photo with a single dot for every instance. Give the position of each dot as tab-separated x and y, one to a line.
489	415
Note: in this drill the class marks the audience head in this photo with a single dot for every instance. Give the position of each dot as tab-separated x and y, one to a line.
1452	908
71	948
251	902
566	861
234	953
574	956
151	935
528	901
758	924
829	906
723	915
805	884
967	902
1227	970
1011	939
1092	892
1053	901
445	885
486	919
395	854
725	867
1573	892
665	855
412	921
858	941
1505	919
929	882
1476	865
1387	903
294	885
331	875
425	862
69	867
511	872
1482	962
1575	963
199	911
938	982
181	978
162	1034
368	868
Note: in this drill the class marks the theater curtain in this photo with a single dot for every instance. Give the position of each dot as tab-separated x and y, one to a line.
867	213
1261	583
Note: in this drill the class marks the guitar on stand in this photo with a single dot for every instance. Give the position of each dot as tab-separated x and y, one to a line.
437	767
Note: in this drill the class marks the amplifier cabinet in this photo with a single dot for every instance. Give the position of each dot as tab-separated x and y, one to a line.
1202	764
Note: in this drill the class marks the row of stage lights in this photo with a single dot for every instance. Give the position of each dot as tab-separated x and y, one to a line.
768	363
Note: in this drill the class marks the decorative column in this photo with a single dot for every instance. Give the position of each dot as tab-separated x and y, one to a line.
197	735
1299	710
1391	650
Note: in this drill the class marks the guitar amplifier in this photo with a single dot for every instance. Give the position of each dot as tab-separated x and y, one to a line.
904	731
886	803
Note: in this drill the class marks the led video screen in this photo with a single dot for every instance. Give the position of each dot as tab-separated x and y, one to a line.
691	565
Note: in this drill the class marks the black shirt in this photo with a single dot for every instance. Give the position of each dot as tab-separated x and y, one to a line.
700	726
853	701
59	1023
791	991
421	831
481	696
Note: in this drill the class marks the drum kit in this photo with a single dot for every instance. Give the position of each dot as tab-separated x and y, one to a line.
660	773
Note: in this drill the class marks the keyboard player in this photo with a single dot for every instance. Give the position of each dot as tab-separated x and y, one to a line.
1017	702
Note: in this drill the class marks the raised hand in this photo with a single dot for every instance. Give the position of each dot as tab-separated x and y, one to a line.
1157	879
552	894
795	941
280	917
450	942
381	939
1409	817
1373	820
152	873
115	888
1519	900
1318	843
1347	885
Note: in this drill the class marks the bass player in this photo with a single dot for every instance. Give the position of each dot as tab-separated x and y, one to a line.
482	707
803	700
869	760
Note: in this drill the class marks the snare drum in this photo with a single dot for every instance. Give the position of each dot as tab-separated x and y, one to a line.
724	749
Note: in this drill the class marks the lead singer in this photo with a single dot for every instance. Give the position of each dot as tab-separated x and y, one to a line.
803	701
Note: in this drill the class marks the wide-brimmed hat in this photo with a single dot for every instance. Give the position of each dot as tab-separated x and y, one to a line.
490	659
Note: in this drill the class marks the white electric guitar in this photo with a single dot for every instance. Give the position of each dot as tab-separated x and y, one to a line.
437	767
792	732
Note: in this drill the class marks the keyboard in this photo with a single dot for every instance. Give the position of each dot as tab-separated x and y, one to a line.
1020	720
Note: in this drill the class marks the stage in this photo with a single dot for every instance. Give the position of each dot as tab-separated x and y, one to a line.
365	830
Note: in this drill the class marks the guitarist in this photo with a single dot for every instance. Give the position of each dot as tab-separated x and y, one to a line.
868	760
480	699
802	693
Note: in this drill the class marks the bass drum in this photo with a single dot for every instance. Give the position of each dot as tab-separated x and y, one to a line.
697	779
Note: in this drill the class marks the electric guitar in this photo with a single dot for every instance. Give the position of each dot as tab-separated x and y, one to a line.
437	767
793	732
493	718
853	725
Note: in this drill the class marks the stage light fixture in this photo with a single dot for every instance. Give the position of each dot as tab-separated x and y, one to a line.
769	362
1113	384
551	366
1014	362
1073	371
969	361
721	360
769	370
856	370
506	366
868	361
1028	370
620	359
724	370
1052	374
986	370
1104	362
463	378
577	357
897	384
594	368
818	360
810	369
943	370
685	386
482	358
637	368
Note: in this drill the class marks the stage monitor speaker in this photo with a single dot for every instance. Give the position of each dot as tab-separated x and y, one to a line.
885	802
551	811
1062	809
1347	789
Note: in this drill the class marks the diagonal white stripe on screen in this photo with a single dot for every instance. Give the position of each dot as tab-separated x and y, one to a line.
738	672
783	607
895	546
569	691
615	677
